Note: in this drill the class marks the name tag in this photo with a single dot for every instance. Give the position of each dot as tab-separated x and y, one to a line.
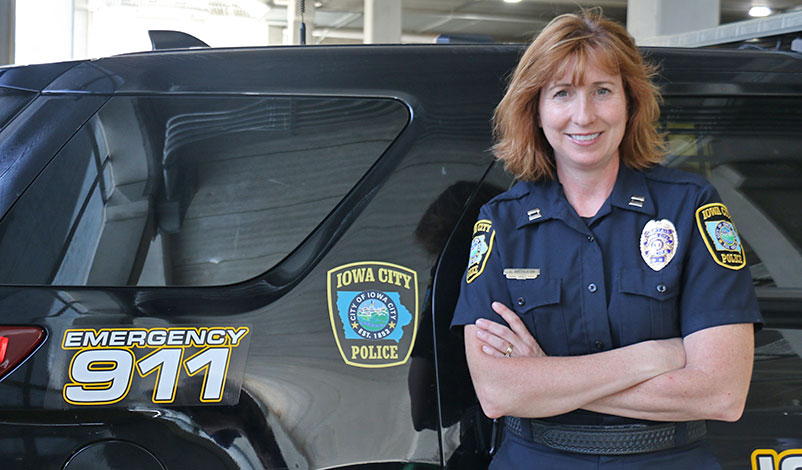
521	273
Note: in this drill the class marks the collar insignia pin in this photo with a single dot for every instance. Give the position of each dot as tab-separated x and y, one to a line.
636	201
534	214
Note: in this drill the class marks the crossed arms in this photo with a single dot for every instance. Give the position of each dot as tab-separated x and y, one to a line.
702	376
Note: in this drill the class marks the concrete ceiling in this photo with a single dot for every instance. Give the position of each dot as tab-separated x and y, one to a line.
505	22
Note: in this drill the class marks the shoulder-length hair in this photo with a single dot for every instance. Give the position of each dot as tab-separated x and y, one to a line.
582	40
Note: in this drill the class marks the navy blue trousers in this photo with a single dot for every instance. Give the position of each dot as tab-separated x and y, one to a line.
517	454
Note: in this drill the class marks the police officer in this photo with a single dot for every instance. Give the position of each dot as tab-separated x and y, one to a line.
606	309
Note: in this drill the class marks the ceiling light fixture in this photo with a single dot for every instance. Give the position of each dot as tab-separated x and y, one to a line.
759	11
512	1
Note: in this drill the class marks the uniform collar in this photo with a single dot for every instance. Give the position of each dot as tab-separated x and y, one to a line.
631	192
546	199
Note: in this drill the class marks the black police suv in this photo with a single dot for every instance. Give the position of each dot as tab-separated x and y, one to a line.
248	258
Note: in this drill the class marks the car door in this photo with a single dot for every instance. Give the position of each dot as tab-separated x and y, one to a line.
228	257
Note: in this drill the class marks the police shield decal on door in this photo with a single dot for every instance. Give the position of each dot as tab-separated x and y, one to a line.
373	307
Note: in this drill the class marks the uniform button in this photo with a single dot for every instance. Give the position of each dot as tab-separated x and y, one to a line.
521	301
598	345
590	238
661	288
592	288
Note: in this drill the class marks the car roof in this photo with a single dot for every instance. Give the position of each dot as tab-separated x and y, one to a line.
381	69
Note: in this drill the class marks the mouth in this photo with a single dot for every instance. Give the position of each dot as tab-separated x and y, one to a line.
584	138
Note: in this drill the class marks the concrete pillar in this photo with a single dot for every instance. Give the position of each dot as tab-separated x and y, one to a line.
80	29
650	18
382	21
275	35
292	35
7	22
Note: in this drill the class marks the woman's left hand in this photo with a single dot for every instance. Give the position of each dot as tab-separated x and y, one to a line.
501	341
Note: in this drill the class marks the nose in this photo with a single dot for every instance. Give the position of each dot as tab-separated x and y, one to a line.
584	111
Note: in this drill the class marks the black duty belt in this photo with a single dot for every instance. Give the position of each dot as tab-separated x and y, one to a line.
606	439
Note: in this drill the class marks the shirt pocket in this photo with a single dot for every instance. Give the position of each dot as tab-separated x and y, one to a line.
538	303
650	299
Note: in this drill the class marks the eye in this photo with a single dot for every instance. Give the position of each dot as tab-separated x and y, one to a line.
603	91
560	94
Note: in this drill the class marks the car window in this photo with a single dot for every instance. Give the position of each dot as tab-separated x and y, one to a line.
11	101
749	149
182	190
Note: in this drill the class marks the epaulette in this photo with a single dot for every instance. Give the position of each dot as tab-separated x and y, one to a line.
674	175
517	191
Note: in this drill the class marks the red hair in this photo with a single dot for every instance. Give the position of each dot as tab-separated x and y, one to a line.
578	40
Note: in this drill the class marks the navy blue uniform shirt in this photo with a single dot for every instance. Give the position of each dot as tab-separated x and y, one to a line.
660	259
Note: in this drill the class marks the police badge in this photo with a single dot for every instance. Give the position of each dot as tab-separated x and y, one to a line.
658	243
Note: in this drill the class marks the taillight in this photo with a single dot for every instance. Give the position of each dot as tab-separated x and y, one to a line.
16	344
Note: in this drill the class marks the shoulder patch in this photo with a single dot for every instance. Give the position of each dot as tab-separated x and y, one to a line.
720	235
481	246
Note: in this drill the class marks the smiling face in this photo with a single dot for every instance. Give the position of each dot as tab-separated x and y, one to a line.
584	122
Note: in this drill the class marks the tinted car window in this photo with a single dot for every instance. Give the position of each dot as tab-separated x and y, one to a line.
191	190
748	148
11	101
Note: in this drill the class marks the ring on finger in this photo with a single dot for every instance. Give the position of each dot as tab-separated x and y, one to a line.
508	352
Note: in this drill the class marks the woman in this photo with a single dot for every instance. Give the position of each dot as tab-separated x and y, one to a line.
605	306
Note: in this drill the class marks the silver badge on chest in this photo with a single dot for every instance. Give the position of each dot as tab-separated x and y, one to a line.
658	243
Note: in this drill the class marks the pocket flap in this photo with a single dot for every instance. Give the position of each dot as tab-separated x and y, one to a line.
530	293
660	285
